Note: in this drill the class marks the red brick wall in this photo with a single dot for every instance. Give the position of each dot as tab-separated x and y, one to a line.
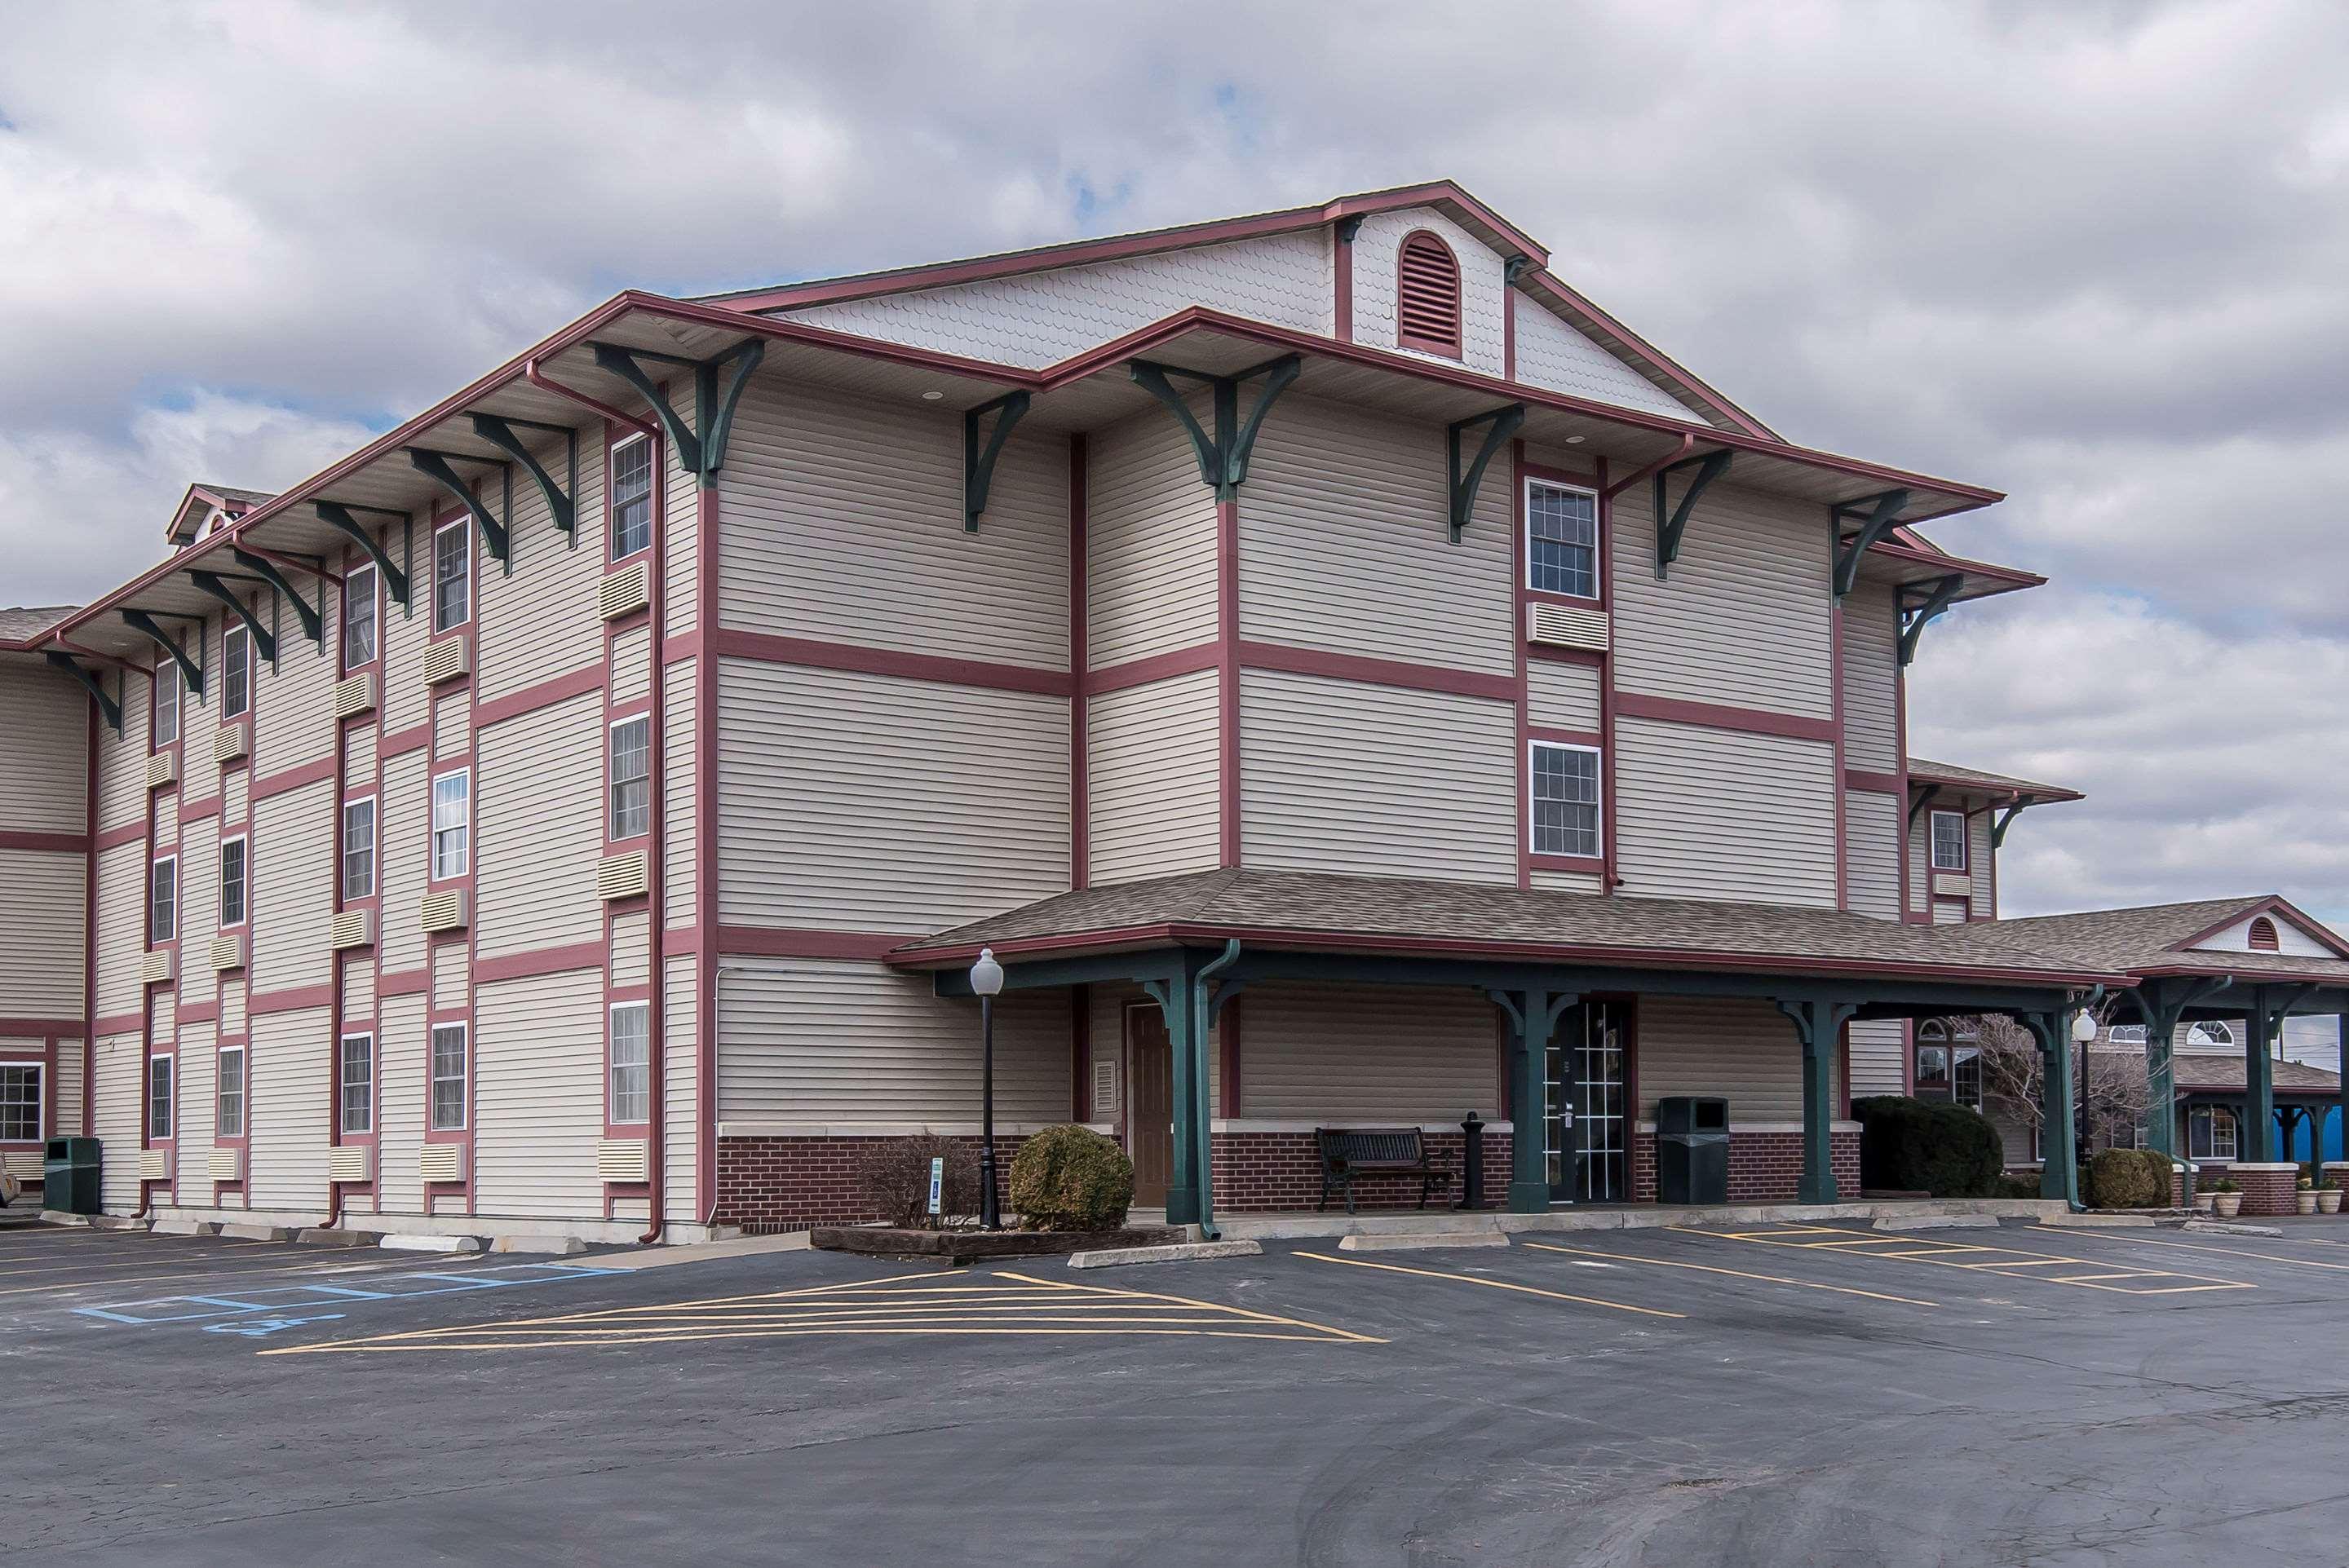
768	1184
2270	1192
1763	1167
1256	1172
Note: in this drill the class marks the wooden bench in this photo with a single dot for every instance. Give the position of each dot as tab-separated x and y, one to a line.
1348	1153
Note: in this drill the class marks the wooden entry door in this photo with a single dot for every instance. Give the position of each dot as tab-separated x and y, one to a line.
1150	1104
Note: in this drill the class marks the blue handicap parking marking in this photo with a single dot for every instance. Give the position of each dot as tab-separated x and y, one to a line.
284	1305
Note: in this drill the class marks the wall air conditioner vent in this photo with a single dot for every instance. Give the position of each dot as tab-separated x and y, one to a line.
229	741
227	1163
162	768
354	928
355	694
158	968
622	591
623	876
448	658
228	951
623	1160
441	1162
445	911
350	1163
1566	626
154	1165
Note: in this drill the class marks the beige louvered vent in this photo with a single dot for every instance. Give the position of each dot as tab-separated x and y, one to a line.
162	769
1427	296
25	1164
1105	1088
354	928
441	1162
355	694
154	1165
446	659
228	951
229	742
623	876
1948	884
350	1163
445	911
622	591
158	969
1565	627
623	1160
227	1163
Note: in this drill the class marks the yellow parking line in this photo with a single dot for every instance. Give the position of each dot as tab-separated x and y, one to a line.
2224	1251
1496	1285
1736	1273
2006	1262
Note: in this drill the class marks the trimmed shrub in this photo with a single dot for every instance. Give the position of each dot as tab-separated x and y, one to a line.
2129	1179
1928	1146
2019	1186
894	1178
1072	1178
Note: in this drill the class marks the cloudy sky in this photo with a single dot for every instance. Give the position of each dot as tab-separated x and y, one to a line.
2091	254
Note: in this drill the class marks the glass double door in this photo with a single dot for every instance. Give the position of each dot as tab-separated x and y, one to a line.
1585	1119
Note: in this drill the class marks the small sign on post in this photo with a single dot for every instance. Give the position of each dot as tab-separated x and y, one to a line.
938	1182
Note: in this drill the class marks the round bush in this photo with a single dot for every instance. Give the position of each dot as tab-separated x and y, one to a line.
1928	1146
894	1175
1072	1179
2129	1179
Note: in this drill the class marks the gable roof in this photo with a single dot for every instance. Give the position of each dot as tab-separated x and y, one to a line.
2157	939
21	623
1920	771
2221	1072
203	499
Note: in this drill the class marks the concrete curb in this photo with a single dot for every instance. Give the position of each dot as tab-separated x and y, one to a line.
2230	1228
396	1243
319	1236
1411	1240
1305	1226
704	1252
551	1246
237	1230
1175	1253
59	1217
1942	1222
115	1223
184	1228
2102	1221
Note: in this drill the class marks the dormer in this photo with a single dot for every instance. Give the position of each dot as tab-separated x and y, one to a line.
207	509
2271	926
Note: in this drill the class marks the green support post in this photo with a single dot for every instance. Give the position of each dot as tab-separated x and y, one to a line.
2260	1023
1819	1026
2059	1165
1533	1020
2342	1024
1182	997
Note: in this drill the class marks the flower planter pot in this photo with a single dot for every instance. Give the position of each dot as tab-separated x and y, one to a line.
2203	1202
2329	1202
2307	1203
2226	1205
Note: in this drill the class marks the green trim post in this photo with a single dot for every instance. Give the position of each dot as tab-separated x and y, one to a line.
2162	1004
1533	1020
2260	1025
2059	1164
1820	1026
1182	997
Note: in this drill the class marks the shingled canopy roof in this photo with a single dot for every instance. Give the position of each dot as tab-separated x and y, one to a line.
1329	911
19	624
2156	939
2222	1072
1950	776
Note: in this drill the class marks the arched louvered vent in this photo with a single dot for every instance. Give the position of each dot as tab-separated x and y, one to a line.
1427	295
2264	937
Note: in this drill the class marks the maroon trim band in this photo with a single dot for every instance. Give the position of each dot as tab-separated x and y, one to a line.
1717	716
770	941
858	659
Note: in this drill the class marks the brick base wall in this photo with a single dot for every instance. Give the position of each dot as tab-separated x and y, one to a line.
1261	1172
771	1184
2268	1191
1763	1167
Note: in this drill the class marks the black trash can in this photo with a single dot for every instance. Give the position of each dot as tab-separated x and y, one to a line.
69	1175
1691	1150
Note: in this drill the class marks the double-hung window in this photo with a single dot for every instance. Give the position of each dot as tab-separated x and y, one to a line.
632	496
448	1078
158	1098
632	1062
1564	799
236	672
234	879
359	615
20	1103
355	1085
163	900
168	682
632	778
452	576
1949	840
2210	1132
452	805
1561	540
359	849
228	1104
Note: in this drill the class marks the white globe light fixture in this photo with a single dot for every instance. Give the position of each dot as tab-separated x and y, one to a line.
986	974
986	984
2083	1027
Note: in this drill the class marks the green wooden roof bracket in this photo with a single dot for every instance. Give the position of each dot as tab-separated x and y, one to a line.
715	409
92	685
140	620
214	584
1223	456
979	462
2005	819
1669	527
623	362
1917	807
434	466
500	433
1349	226
1515	268
1880	521
337	515
1499	423
313	627
1915	616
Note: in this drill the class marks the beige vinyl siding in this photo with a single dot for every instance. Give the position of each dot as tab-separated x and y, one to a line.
165	826
1717	813
405	862
1152	766
802	1040
1921	861
1872	827
1367	1054
293	888
681	1079
1744	1050
1871	678
681	522
400	1065
843	523
1561	696
199	908
44	769
41	932
865	803
121	927
235	790
1150	551
539	621
1345	543
193	1077
453	723
1742	618
632	665
359	760
679	716
294	701
401	635
122	759
452	970
1981	858
69	1089
632	948
539	829
1567	881
539	1096
232	1007
121	1113
1949	912
1341	776
1879	1048
289	1107
358	988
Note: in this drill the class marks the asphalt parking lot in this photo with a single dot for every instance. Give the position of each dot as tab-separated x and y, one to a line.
1779	1395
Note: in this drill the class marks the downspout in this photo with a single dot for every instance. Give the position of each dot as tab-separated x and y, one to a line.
1208	1229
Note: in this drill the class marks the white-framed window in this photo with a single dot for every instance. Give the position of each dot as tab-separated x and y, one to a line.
2210	1132
163	899
452	819
228	1103
236	672
1949	829
453	575
168	684
20	1103
359	849
358	617
1949	1063
1564	805
632	496
1561	539
160	1099
2126	1034
448	1070
632	1061
235	879
2210	1032
355	1084
631	771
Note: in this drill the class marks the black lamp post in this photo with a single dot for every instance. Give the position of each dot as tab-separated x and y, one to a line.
986	981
